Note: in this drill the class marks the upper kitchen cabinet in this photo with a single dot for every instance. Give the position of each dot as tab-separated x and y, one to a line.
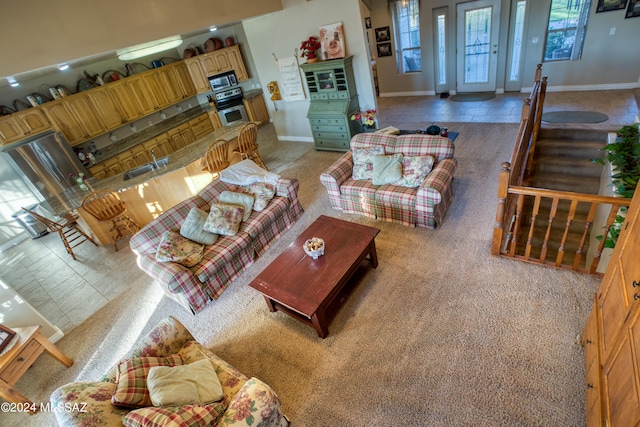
106	108
87	117
143	94
183	79
125	99
62	117
22	124
202	66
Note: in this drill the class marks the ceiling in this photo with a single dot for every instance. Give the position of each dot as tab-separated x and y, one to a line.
86	61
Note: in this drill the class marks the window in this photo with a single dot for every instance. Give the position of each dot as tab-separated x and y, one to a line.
565	32
441	49
516	47
406	25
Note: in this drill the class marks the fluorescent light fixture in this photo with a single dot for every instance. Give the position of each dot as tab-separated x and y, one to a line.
63	66
150	48
12	81
213	28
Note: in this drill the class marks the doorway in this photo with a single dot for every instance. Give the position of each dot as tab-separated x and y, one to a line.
477	45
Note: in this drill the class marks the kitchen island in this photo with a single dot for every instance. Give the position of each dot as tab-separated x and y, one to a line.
150	194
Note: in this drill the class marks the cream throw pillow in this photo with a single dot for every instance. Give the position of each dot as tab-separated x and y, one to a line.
387	169
195	383
244	200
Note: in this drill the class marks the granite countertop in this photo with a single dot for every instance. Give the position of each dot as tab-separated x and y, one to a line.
151	132
72	198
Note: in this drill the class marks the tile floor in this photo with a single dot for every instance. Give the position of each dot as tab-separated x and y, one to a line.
67	292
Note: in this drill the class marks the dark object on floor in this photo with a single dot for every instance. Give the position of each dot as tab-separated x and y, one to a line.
574	117
444	95
433	130
473	97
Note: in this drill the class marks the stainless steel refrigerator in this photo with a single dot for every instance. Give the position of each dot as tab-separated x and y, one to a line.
45	162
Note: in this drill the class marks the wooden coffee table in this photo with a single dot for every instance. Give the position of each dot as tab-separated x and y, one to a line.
306	289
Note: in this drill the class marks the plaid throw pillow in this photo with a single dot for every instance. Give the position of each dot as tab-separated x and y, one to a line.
131	379
175	416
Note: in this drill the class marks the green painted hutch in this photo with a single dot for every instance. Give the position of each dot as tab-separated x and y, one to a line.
332	89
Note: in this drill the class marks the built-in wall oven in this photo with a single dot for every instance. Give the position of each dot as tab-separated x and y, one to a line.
230	106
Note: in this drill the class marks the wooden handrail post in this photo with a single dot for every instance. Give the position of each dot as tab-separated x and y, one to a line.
538	73
503	188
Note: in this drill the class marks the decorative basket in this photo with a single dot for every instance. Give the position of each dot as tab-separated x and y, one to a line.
314	247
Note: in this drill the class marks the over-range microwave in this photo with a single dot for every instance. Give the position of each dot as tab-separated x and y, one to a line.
223	81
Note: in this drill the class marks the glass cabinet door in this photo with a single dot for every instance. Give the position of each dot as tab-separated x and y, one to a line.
325	80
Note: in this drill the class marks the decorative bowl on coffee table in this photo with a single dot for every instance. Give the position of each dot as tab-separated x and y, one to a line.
314	247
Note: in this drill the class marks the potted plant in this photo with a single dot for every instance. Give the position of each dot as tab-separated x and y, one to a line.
365	119
309	48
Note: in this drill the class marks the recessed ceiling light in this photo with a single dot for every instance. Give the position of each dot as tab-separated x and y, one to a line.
213	28
12	81
63	66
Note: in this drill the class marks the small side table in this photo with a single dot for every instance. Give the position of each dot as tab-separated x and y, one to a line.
15	362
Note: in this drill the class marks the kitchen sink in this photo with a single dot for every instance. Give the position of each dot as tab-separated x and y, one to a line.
148	167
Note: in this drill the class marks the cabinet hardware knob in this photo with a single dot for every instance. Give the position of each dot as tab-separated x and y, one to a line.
588	341
21	359
589	385
636	296
635	284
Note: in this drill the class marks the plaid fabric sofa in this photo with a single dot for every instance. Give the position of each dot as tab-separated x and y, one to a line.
246	401
424	206
223	261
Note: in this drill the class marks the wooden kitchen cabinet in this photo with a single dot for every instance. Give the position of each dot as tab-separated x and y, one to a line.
161	146
614	377
125	100
201	126
181	136
107	168
134	157
257	109
218	61
236	62
183	79
198	77
63	119
142	94
214	118
22	124
163	94
106	108
86	116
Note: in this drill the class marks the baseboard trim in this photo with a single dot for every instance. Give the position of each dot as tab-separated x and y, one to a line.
418	93
583	88
295	138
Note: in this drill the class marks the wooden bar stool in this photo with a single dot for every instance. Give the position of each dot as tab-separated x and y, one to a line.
248	145
68	229
106	206
217	157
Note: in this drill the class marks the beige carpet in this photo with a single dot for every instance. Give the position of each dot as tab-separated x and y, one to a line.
440	334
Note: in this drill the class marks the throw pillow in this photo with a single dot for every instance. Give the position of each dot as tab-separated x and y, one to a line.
363	161
175	248
224	219
192	228
263	193
247	172
131	379
233	198
195	383
175	416
415	169
387	169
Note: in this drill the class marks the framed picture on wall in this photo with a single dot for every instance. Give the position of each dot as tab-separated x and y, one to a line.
607	5
634	9
332	41
384	49
6	335
383	34
367	22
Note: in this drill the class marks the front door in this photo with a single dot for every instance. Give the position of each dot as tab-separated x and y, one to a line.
477	43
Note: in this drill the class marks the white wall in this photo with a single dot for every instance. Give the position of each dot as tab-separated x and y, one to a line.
280	33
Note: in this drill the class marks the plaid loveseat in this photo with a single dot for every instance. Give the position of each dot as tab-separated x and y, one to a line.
245	402
423	206
223	261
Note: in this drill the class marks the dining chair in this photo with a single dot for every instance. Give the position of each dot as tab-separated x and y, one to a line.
106	206
68	230
217	157
248	145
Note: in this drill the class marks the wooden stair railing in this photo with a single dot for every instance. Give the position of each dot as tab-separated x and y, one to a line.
509	228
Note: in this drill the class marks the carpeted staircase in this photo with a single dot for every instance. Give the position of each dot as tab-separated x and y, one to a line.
564	162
